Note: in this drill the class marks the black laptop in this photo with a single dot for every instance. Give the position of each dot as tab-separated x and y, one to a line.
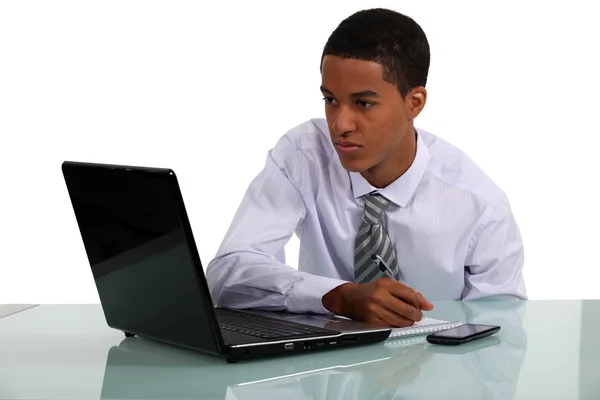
151	282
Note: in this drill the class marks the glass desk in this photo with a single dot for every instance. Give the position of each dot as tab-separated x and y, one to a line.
9	309
545	350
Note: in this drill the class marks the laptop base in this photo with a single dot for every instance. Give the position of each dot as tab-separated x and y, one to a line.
234	354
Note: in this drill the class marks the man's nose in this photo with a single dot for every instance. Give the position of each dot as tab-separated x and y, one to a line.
343	121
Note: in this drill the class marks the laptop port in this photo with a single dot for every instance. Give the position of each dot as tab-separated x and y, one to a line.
320	344
307	345
288	346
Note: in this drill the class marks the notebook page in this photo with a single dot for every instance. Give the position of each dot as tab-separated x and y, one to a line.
424	326
405	341
425	322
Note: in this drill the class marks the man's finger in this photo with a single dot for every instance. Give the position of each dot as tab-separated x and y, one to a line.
395	320
401	308
405	293
424	303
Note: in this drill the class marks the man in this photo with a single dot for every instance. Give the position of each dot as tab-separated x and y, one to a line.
389	216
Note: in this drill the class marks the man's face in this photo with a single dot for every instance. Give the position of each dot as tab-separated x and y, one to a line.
367	116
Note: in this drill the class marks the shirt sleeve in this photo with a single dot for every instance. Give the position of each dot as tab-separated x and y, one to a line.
495	266
249	269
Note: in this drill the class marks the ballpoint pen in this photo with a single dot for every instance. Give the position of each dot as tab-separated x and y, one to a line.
382	266
386	270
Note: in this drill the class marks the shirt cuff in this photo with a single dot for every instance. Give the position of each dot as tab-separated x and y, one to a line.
306	296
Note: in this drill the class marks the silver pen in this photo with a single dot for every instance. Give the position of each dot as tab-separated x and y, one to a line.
382	265
387	271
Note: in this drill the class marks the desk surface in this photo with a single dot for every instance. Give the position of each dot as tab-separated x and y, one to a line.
9	309
546	349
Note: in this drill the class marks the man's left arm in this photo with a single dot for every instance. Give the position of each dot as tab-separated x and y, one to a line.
494	266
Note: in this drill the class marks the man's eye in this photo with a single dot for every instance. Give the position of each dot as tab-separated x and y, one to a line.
365	104
329	100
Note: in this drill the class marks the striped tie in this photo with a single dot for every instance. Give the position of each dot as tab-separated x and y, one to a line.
373	239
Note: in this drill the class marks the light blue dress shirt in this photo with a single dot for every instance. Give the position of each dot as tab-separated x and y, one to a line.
454	233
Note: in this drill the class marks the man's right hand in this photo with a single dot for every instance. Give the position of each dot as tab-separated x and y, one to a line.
384	302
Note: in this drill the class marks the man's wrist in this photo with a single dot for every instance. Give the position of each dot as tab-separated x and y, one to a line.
335	299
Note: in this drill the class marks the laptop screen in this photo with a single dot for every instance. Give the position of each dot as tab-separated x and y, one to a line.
123	215
137	239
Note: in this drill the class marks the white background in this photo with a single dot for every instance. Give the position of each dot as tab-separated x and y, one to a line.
208	89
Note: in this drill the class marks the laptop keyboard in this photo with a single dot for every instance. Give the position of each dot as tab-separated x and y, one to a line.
264	327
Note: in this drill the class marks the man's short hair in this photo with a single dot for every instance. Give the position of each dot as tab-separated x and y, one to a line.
389	38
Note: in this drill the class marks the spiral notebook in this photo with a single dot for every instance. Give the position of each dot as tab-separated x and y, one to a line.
405	341
422	327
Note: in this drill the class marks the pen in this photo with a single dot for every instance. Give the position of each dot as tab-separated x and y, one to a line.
386	270
382	266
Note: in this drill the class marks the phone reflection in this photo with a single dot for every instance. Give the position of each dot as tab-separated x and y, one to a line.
397	369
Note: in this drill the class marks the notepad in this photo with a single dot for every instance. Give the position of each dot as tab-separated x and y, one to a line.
405	341
422	327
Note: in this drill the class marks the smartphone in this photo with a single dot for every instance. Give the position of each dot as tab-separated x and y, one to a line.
473	346
462	334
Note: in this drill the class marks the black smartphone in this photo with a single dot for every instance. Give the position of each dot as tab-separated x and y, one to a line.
462	334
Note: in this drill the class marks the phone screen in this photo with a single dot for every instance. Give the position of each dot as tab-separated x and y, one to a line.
464	331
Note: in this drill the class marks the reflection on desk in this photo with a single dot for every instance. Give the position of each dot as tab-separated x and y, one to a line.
396	369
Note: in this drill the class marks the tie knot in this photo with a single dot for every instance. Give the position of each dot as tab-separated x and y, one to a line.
375	205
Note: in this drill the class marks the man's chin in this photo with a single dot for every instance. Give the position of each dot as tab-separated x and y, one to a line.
353	165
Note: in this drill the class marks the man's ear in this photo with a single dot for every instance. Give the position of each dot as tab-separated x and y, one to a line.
416	100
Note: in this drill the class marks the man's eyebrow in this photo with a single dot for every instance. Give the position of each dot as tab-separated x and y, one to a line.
364	93
325	90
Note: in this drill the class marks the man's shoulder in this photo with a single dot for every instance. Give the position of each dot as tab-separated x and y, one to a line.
452	166
311	136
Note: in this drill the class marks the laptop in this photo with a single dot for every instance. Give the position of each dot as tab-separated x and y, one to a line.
150	280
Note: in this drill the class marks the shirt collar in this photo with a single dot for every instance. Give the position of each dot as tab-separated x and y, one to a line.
402	189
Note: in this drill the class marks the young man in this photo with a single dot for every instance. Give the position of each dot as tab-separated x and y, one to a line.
389	216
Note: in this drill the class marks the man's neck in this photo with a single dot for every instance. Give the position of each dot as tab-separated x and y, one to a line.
381	175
